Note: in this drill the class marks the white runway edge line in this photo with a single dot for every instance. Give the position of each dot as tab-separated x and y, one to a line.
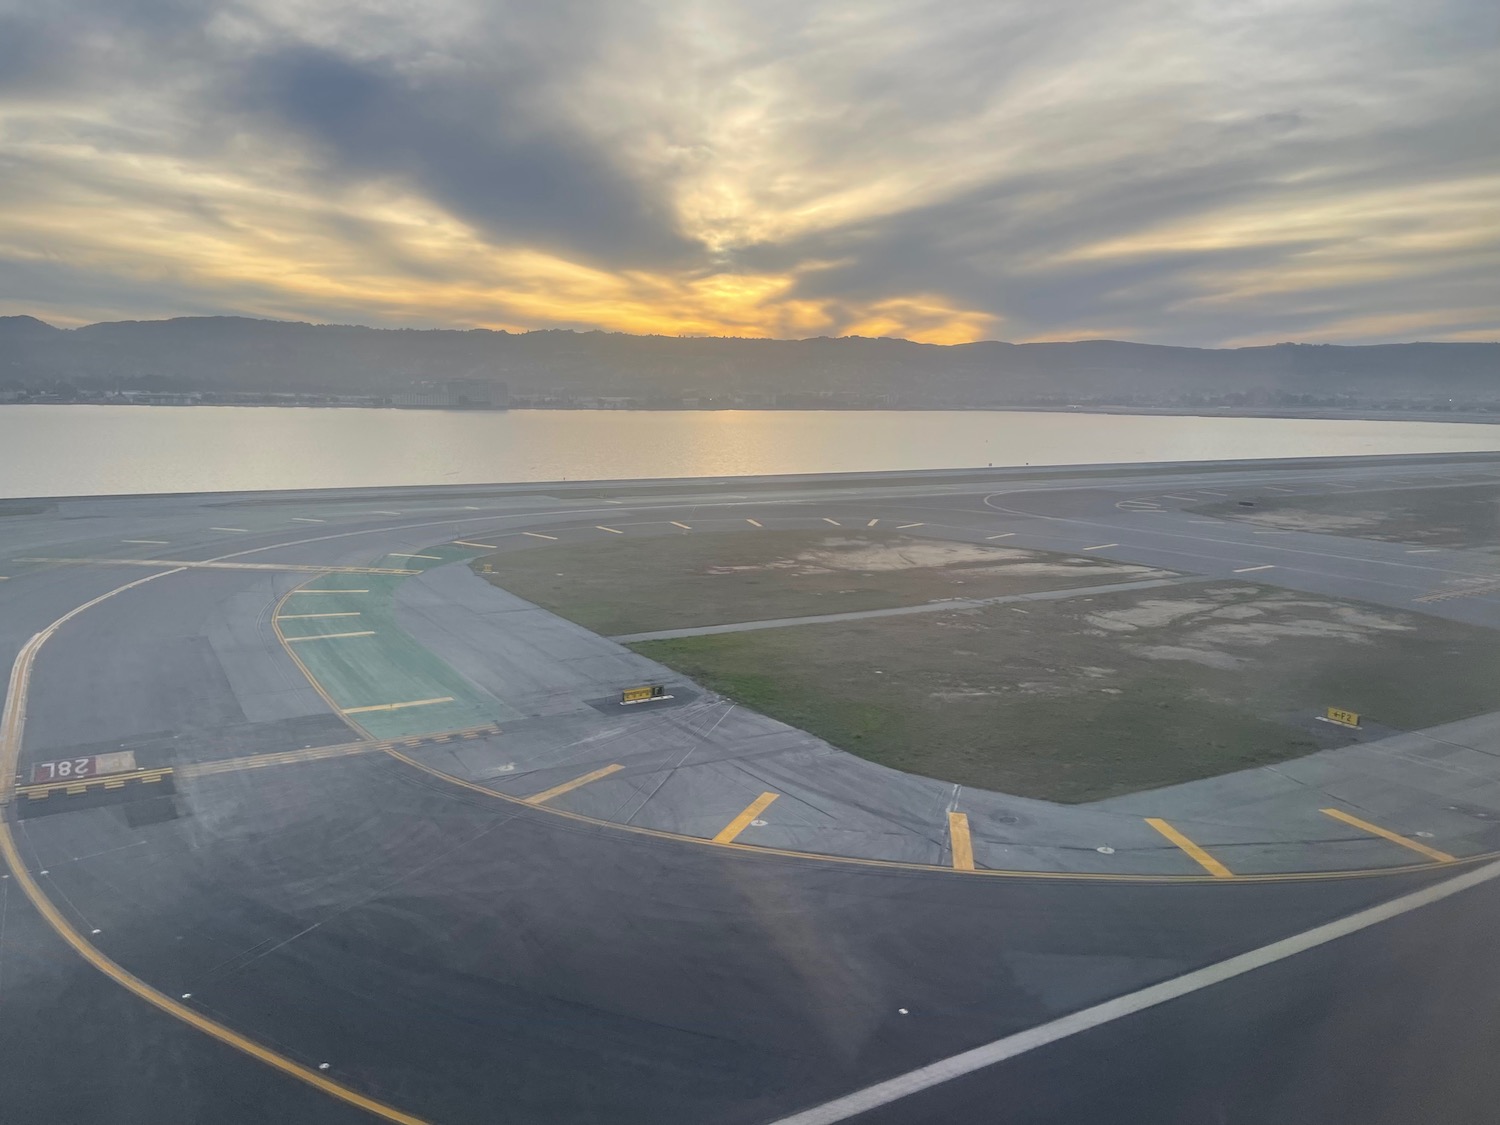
956	1066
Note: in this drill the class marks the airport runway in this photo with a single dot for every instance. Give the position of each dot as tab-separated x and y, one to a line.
435	881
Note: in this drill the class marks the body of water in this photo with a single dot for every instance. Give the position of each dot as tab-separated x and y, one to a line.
91	450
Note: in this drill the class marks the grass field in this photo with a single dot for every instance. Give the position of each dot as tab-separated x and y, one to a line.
631	585
1095	696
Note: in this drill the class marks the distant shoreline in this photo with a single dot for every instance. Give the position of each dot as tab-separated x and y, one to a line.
1355	414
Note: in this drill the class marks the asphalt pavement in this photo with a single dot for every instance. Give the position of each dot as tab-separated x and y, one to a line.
346	884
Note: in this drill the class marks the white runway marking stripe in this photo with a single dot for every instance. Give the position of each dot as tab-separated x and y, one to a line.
835	523
148	542
241	529
306	519
407	555
1100	546
471	543
1252	569
684	526
754	523
397	706
538	535
333	636
956	1066
904	526
1002	535
611	530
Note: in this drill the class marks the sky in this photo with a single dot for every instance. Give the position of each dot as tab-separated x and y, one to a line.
1193	172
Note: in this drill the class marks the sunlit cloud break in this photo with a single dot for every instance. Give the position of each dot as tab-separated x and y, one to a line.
1183	172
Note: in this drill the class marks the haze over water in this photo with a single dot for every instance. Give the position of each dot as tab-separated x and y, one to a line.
98	450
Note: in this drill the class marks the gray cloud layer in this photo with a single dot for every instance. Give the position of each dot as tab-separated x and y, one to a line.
1185	172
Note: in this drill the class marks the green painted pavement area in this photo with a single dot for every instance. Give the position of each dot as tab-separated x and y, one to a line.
378	664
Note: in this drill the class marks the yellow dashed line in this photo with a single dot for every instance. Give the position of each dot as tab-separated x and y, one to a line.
732	830
1387	834
1201	857
568	786
963	843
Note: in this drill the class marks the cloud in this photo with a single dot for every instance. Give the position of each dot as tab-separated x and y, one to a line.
1187	172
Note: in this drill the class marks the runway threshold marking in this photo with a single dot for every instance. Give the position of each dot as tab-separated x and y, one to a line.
730	832
873	522
538	535
568	786
331	636
1199	856
1387	834
1253	569
471	543
393	706
963	843
611	530
978	1058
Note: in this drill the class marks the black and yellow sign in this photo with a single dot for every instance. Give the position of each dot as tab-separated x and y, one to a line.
643	694
1342	717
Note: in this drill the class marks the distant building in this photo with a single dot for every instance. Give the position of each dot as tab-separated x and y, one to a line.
454	394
